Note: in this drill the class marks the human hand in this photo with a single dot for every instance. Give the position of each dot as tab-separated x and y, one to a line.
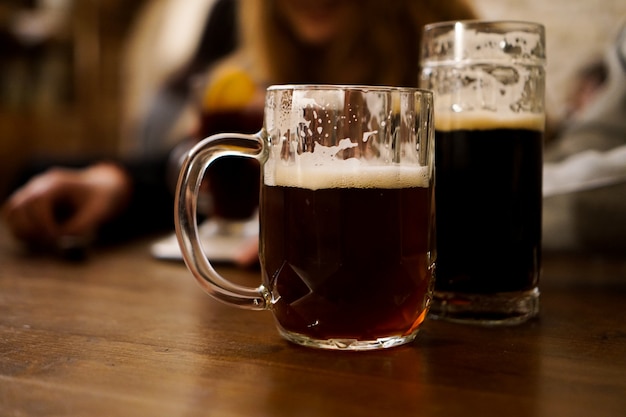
62	203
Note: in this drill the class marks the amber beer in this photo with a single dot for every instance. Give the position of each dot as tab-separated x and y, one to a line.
488	197
348	256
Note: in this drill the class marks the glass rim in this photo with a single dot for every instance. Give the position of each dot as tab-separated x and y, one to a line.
456	36
346	87
474	23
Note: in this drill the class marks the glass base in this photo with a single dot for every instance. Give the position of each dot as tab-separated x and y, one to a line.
348	344
485	309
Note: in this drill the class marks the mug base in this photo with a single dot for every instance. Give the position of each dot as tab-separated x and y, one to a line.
500	309
348	344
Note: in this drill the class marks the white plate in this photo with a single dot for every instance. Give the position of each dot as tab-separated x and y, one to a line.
222	241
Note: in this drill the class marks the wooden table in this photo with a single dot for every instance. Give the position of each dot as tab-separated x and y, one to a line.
122	334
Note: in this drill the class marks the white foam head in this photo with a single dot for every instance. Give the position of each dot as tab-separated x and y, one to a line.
350	173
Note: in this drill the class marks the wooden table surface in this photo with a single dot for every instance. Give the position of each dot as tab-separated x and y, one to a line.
122	334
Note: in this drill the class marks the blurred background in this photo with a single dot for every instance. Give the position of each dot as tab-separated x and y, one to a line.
76	76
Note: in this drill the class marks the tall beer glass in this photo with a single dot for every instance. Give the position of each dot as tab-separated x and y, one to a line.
346	214
488	79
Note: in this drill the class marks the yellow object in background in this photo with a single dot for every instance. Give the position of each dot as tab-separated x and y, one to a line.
230	89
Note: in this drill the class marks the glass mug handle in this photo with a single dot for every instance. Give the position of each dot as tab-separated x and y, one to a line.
186	216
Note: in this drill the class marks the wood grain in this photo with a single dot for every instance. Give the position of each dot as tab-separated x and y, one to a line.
122	334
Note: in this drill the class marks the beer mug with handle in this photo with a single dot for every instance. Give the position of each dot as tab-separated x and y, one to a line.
346	214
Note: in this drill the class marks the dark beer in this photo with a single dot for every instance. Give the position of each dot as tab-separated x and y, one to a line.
351	261
488	199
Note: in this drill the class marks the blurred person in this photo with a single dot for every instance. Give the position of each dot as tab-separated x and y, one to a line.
585	166
281	42
160	64
111	200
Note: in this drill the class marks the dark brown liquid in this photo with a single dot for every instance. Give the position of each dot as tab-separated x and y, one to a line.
488	198
233	181
346	263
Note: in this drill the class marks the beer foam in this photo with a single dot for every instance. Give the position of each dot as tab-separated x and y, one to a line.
486	120
464	42
350	173
333	99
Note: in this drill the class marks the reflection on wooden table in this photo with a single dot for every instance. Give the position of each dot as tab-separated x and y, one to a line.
122	334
